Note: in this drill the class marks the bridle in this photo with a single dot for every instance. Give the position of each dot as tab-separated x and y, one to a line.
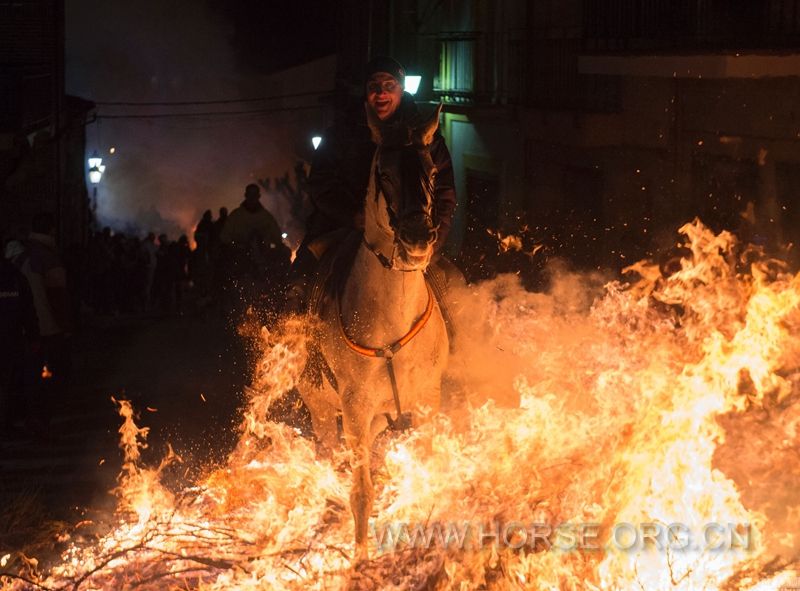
403	419
388	262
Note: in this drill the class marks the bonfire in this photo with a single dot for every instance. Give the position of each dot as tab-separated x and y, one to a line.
622	435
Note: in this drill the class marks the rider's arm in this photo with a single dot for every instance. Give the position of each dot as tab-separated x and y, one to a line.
445	190
330	192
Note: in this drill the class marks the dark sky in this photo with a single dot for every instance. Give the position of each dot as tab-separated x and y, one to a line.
165	172
274	34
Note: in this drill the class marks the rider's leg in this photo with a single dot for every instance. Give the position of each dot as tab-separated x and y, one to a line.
299	283
443	277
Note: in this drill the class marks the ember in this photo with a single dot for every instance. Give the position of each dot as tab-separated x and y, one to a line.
649	411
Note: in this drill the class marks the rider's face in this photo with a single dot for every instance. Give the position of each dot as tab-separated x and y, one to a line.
384	93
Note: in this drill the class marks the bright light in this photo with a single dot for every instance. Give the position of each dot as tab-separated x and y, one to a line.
112	150
96	168
412	84
284	235
316	141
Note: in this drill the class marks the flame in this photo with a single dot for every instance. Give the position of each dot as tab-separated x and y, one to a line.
512	242
46	373
638	407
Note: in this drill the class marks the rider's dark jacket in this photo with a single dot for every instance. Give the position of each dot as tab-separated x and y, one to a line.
340	174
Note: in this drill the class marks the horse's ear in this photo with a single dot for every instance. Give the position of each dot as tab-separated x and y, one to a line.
428	127
374	124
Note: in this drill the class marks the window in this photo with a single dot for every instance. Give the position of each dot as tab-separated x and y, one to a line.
456	66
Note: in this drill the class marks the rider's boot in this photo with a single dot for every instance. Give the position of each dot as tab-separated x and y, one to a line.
442	275
299	283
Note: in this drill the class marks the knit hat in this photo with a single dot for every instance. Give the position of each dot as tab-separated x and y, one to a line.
388	65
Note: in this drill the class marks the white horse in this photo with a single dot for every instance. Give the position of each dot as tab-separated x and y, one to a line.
384	336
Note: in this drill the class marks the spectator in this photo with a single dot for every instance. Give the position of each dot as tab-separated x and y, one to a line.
201	261
19	335
164	276
149	249
256	257
216	231
179	253
202	234
43	269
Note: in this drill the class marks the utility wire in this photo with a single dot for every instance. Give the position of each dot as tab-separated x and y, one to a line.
210	113
215	102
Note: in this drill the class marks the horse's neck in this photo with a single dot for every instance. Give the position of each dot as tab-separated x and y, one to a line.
377	229
379	305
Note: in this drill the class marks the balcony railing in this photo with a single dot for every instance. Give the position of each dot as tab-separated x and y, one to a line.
480	68
690	25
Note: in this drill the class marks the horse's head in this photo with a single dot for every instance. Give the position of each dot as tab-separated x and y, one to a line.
405	174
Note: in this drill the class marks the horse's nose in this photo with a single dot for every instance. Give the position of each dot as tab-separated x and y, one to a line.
416	229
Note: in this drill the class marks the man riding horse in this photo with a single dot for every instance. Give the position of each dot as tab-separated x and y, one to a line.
384	185
341	168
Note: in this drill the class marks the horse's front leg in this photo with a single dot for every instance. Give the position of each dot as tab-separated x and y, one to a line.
323	416
357	422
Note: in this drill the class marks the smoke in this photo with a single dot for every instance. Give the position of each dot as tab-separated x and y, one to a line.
490	353
164	172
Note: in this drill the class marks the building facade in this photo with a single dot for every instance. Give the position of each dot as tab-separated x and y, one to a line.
593	128
42	137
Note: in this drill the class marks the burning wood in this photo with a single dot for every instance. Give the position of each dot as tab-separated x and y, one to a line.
622	468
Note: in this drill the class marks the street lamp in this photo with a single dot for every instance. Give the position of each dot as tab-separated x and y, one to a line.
96	168
412	84
316	141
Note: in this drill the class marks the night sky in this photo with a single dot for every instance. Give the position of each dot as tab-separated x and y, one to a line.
269	35
166	171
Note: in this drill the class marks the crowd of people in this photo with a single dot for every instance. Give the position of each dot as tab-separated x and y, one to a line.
238	260
119	273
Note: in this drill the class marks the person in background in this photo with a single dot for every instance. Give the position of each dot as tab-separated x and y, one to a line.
42	267
179	254
255	257
202	234
216	231
163	289
19	336
150	250
201	262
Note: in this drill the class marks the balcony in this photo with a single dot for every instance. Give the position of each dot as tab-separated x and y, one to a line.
691	38
479	68
690	26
